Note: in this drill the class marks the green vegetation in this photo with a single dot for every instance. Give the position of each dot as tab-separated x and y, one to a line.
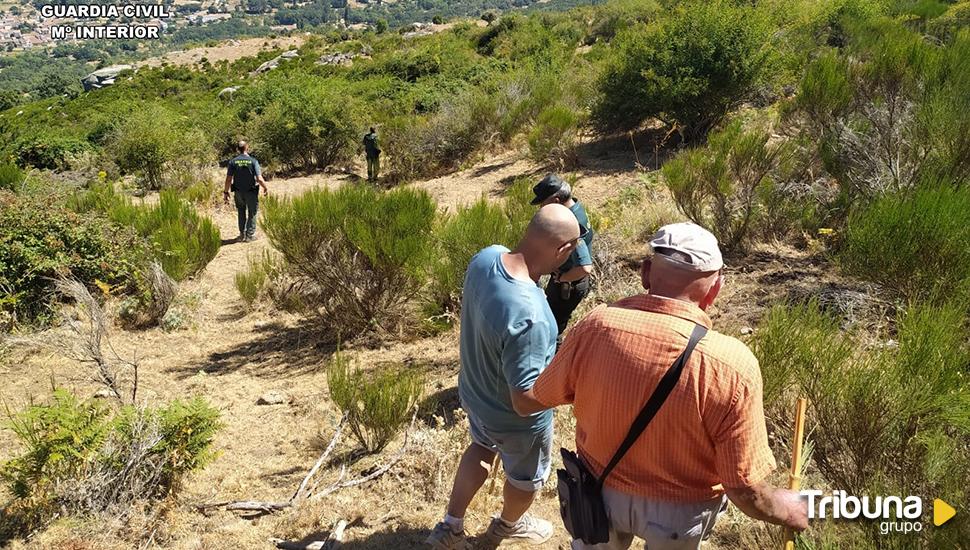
914	245
262	271
359	255
884	420
153	144
184	241
723	185
460	236
11	176
79	457
688	69
377	403
40	240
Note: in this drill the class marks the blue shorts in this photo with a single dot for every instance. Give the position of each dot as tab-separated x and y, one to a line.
526	457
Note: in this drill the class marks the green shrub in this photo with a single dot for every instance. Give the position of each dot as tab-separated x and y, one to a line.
184	241
360	255
718	185
518	207
912	244
78	458
261	271
889	420
890	110
202	193
948	25
460	236
40	240
688	69
48	151
553	138
154	144
306	123
377	403
614	16
11	176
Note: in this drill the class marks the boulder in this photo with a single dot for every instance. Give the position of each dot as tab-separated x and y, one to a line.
273	397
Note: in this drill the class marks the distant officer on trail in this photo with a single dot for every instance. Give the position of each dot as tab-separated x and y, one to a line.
373	152
244	179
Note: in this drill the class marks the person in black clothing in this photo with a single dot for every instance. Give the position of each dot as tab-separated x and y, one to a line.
244	179
569	284
373	152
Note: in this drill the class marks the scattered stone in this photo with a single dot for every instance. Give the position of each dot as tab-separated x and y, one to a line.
746	330
273	397
104	77
344	59
227	92
104	393
275	62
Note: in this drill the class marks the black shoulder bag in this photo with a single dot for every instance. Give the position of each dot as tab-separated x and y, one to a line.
580	492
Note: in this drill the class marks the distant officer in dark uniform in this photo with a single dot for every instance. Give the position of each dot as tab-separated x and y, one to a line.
373	152
569	284
244	179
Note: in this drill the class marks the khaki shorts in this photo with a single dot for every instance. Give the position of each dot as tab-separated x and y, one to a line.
662	525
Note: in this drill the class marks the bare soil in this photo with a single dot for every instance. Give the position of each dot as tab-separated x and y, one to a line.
231	355
230	50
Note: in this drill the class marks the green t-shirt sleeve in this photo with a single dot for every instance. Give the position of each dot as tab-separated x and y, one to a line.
229	168
524	354
581	255
256	167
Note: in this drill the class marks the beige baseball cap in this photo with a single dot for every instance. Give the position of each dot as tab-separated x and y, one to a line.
697	247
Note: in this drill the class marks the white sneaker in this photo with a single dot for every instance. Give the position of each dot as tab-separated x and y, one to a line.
443	538
529	529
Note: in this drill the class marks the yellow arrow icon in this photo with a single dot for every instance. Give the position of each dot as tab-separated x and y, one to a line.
942	512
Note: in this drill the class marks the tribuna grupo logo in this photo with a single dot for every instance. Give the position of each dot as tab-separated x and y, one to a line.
896	514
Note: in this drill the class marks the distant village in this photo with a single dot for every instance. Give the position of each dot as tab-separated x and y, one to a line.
22	27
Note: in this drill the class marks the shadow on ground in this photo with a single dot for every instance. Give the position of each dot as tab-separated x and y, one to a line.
621	153
406	538
276	349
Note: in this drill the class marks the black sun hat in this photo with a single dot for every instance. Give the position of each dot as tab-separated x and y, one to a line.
546	188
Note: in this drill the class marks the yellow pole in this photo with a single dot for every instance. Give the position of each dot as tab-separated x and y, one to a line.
795	475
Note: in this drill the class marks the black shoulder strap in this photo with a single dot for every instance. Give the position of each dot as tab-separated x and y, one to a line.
666	385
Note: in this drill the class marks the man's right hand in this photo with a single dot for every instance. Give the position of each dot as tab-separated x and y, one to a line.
797	508
767	503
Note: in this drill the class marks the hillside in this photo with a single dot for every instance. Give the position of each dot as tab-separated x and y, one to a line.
823	143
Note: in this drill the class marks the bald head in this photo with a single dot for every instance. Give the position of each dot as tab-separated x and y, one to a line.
549	239
242	146
555	223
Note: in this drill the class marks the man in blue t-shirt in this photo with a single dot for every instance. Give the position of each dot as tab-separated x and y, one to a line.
569	284
508	336
244	178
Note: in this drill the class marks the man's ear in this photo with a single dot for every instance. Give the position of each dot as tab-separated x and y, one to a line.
713	292
645	274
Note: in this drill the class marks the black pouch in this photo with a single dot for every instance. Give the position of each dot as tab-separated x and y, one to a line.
565	291
581	501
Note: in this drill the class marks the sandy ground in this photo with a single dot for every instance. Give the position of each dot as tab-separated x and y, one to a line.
230	50
231	356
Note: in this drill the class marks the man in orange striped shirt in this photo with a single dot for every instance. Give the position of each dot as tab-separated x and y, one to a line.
707	442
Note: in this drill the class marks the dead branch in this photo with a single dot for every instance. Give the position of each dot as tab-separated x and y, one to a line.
376	473
302	489
88	342
306	490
